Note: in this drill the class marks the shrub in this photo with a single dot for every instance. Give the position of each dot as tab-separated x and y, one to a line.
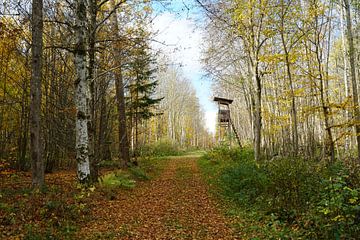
294	186
161	149
224	153
244	182
300	198
337	213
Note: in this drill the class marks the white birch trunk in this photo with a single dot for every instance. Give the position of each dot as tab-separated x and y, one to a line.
345	74
81	95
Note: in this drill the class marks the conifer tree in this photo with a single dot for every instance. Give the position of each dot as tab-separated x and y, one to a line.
141	102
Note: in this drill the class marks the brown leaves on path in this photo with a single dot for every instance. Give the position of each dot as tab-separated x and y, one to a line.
175	205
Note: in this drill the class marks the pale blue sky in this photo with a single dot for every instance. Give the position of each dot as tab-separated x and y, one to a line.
179	25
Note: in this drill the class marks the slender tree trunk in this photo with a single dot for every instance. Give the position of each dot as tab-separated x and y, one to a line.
257	113
81	95
120	96
24	130
345	74
295	135
353	74
91	78
37	163
329	143
100	153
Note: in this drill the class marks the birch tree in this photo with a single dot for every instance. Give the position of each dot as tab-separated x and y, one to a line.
81	93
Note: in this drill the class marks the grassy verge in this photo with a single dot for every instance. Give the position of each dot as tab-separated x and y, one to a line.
284	198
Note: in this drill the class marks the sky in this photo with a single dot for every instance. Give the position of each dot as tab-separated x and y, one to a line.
177	26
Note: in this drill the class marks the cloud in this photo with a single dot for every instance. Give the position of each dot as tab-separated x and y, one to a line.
210	121
181	41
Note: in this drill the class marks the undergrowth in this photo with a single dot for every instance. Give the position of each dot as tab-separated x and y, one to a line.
51	213
161	149
116	179
286	198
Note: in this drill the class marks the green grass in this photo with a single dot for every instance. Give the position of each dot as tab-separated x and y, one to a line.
285	198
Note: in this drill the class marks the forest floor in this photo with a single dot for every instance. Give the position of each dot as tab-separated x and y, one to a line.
174	205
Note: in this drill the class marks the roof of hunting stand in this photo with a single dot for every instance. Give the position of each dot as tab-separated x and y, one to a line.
223	100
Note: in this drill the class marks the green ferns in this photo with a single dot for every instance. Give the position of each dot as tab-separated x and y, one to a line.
117	179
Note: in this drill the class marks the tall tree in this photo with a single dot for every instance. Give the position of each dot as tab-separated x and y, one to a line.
37	163
124	148
252	21
81	93
355	96
142	88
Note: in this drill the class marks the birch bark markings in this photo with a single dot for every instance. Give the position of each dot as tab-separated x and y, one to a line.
81	94
37	162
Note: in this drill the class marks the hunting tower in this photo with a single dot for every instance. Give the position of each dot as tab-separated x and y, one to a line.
224	119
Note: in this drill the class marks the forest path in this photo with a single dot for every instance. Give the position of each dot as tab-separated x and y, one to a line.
174	205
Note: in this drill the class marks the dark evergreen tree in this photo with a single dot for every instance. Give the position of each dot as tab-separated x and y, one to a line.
141	103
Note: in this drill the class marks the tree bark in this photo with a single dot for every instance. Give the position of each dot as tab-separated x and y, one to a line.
345	74
257	113
120	96
37	163
81	95
91	78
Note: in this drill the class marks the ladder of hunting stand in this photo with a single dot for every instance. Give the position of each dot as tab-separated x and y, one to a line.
236	134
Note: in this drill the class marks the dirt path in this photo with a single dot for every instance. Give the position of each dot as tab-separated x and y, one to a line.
175	205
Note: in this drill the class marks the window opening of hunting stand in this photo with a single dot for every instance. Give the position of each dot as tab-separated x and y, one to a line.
224	118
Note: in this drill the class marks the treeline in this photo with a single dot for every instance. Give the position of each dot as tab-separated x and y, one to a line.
292	68
97	89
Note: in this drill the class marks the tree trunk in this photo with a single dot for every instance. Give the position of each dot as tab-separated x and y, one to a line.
345	74
91	78
37	163
294	124
24	130
100	147
329	142
81	95
120	96
257	113
353	74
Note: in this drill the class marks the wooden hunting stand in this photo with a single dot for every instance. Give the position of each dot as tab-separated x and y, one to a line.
224	119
